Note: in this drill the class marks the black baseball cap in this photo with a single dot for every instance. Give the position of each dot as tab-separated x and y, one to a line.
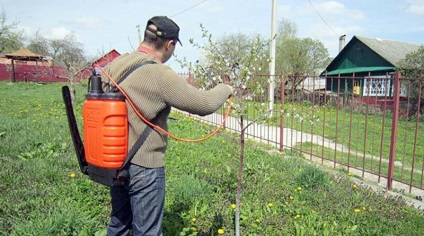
166	28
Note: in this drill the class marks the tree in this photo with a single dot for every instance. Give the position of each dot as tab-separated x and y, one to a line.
234	58
10	39
412	66
237	60
39	45
298	57
66	52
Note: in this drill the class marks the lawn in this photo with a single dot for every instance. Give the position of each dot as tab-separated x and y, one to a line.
43	192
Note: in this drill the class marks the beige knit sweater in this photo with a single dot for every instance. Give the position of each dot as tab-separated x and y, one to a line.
154	89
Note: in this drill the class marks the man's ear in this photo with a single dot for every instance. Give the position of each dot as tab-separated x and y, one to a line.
170	44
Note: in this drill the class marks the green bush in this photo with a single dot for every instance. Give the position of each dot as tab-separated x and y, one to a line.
311	177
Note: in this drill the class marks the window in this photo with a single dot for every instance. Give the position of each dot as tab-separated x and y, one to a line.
379	86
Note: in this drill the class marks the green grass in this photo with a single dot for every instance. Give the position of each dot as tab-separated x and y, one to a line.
282	194
356	160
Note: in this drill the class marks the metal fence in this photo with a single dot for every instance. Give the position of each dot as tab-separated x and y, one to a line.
370	125
32	73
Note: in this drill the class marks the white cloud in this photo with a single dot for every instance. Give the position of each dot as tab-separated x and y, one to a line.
89	22
60	33
416	7
330	7
337	8
28	31
214	6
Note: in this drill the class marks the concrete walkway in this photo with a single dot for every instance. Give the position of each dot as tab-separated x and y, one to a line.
271	135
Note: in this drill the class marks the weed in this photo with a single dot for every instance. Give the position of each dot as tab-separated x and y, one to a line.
311	177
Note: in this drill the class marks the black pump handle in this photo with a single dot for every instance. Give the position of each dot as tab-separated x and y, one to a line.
73	127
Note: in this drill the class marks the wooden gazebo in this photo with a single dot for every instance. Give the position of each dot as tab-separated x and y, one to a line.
22	54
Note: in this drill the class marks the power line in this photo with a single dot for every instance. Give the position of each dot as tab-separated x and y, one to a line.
188	8
322	18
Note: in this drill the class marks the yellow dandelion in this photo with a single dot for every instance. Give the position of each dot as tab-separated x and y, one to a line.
194	229
258	221
291	197
354	186
72	175
233	206
297	217
299	188
357	210
270	204
193	219
221	231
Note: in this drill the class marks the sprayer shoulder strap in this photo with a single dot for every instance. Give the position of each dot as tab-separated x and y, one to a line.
146	132
133	69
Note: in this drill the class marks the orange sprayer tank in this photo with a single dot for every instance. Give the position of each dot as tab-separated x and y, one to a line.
105	128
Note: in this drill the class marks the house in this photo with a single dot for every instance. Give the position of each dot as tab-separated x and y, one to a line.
101	62
368	65
105	59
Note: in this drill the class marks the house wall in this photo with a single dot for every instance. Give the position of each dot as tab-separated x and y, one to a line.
103	61
341	85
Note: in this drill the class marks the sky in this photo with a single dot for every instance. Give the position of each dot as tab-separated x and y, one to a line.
103	25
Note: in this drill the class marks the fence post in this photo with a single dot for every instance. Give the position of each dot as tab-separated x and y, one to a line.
282	98
395	119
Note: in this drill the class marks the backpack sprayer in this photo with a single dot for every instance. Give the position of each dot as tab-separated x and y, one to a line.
104	155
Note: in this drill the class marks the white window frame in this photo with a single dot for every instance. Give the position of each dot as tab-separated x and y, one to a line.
383	79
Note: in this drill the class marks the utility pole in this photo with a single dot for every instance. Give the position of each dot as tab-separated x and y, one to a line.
272	58
139	34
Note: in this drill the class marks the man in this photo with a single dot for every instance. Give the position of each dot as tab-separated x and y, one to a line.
138	206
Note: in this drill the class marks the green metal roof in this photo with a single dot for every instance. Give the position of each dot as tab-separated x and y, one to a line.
361	69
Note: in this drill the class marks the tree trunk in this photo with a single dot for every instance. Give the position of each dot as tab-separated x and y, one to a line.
72	89
240	175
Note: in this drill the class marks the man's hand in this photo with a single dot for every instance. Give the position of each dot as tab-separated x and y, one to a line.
231	88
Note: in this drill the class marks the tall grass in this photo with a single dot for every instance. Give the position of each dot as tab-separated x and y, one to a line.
42	192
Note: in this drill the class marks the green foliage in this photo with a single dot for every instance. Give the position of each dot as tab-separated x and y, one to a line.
186	189
48	150
298	57
310	177
46	195
412	66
